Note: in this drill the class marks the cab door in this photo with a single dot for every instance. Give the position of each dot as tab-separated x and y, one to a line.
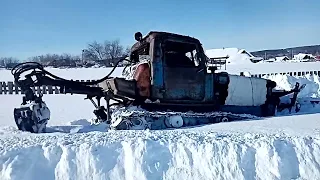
183	80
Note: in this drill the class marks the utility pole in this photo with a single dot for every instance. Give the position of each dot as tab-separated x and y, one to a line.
82	56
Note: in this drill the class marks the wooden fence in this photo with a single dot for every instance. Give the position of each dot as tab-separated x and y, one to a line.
11	88
295	74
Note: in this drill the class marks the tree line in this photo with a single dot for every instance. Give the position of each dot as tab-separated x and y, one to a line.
103	53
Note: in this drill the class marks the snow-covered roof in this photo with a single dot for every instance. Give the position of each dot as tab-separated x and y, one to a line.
243	51
221	53
282	58
269	60
276	59
302	56
233	55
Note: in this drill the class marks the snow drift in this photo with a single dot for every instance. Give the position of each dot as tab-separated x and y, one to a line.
286	82
176	154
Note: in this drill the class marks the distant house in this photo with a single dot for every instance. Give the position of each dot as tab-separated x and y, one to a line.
232	56
270	60
282	58
277	59
303	57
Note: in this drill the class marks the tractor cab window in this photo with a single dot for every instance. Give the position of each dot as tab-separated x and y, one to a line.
141	54
180	54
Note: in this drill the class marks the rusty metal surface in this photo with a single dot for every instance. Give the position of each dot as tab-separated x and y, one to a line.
176	82
120	87
184	84
142	76
163	35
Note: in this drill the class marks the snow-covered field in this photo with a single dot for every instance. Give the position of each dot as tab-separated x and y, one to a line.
282	147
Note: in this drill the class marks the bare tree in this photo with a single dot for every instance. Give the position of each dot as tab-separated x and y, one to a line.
104	51
107	53
94	51
46	59
8	60
43	59
113	49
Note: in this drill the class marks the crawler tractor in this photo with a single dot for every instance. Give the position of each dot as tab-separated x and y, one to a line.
167	84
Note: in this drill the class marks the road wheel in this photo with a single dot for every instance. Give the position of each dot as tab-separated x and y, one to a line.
224	119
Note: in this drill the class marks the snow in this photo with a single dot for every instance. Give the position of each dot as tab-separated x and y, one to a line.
219	53
287	151
232	55
286	82
239	59
282	147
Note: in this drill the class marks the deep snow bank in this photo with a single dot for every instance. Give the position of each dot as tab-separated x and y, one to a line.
263	149
188	156
286	82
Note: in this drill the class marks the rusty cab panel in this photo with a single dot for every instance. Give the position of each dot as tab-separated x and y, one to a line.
140	55
183	77
176	69
167	67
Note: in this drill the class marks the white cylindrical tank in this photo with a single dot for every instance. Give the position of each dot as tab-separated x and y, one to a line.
246	91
